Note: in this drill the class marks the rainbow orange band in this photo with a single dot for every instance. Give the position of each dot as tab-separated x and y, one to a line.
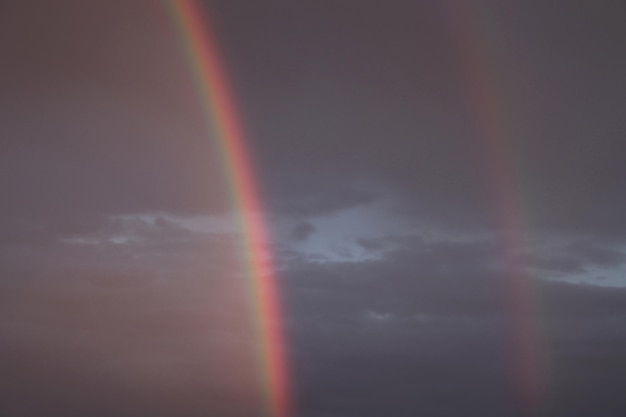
226	128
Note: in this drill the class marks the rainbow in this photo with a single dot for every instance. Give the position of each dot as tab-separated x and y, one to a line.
226	129
477	41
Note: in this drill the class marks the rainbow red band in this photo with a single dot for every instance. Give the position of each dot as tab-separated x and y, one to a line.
226	129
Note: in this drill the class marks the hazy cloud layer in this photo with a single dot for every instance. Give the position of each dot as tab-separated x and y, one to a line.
122	284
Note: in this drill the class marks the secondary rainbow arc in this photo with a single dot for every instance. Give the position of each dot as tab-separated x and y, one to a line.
470	24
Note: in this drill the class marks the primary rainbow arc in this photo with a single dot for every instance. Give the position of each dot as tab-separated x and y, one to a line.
226	129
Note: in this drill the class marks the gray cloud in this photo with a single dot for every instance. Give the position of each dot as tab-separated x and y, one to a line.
302	230
114	301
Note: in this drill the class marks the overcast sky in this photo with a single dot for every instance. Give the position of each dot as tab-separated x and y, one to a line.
444	182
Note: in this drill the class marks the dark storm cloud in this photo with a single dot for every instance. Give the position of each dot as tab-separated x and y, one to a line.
302	230
111	303
370	244
306	195
573	53
382	92
446	278
329	91
431	321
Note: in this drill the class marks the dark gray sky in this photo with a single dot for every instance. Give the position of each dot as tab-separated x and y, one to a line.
371	125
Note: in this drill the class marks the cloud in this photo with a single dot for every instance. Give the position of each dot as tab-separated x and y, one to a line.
318	195
152	323
390	106
121	289
302	230
577	259
430	316
370	244
433	318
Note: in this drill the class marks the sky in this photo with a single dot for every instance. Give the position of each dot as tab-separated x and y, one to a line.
443	182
